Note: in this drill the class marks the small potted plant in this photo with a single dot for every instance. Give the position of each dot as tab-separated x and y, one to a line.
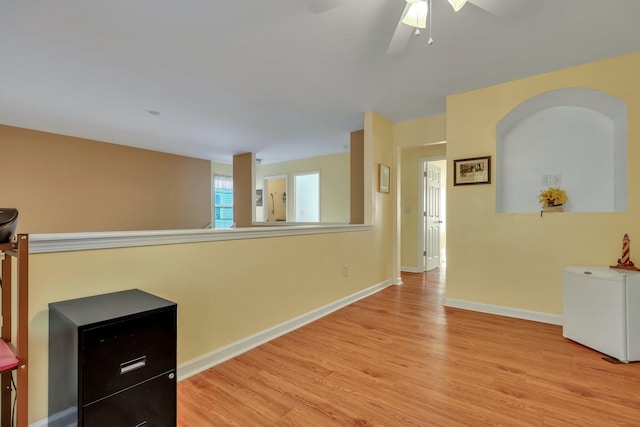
552	199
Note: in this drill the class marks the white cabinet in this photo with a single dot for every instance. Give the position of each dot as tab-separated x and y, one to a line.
601	310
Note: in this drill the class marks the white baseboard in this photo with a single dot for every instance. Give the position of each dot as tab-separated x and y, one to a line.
230	351
536	316
410	269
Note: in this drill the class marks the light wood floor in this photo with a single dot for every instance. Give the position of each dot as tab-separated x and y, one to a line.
398	358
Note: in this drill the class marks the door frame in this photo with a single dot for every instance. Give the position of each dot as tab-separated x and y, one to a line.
422	267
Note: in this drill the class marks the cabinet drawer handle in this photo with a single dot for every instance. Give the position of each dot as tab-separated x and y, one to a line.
132	365
142	424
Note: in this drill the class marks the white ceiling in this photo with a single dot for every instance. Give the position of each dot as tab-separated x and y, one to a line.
270	76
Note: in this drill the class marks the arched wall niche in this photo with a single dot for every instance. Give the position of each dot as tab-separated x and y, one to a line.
574	138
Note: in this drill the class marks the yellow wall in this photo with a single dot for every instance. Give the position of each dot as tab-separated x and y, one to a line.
516	260
276	206
410	198
221	169
383	205
237	288
418	132
227	290
414	139
63	184
334	184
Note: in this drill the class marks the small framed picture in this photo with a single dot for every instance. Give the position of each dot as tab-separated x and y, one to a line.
476	170
259	197
383	184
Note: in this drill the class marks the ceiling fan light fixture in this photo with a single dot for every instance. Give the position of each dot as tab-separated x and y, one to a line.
416	15
457	4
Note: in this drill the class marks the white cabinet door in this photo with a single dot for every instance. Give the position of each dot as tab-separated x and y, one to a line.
593	301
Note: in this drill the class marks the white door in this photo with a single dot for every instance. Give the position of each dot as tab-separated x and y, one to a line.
307	197
432	216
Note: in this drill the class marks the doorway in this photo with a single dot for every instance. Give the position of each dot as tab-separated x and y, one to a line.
275	198
306	196
432	218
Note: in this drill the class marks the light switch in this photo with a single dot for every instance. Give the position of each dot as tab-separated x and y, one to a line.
557	180
546	180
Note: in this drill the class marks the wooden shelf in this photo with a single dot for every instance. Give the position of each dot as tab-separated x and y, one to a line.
14	348
8	359
9	248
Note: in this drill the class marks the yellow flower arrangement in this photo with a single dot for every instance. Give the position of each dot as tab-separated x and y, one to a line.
553	196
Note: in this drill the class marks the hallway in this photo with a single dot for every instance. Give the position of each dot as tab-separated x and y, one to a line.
399	358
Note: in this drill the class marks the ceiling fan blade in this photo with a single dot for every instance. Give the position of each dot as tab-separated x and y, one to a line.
319	6
401	35
502	8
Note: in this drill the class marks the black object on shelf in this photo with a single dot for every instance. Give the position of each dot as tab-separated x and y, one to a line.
8	224
112	361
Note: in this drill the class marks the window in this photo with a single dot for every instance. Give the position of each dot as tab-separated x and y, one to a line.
222	201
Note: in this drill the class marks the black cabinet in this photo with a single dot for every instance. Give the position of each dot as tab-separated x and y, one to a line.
112	361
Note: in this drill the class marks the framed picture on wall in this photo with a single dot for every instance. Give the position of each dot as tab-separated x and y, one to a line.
259	197
383	184
476	170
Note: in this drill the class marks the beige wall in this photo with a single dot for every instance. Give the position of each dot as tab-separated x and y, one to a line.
225	291
334	184
356	177
63	184
243	189
516	260
221	169
381	211
276	206
419	132
410	198
414	139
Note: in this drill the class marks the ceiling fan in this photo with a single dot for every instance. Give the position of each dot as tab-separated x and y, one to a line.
416	13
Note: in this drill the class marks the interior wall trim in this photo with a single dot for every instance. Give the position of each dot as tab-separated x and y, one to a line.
197	365
63	242
536	316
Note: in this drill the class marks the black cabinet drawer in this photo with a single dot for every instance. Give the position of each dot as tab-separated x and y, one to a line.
149	404
112	361
123	353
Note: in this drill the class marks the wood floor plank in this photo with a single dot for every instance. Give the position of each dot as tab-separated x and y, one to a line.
399	358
